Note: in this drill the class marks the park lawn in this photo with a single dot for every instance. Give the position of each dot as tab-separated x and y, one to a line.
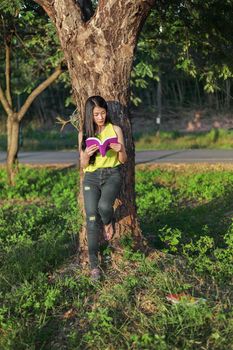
39	140
47	302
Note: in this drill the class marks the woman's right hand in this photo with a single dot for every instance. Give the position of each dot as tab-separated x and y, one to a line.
91	150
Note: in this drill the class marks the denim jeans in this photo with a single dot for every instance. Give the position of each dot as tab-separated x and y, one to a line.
100	189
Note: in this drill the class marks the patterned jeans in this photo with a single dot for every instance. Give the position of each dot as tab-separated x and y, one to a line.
100	189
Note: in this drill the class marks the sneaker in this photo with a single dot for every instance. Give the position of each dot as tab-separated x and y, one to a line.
95	274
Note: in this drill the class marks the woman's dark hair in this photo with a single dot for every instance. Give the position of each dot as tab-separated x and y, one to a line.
89	126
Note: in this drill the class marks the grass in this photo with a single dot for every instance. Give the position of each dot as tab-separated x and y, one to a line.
47	302
41	140
213	139
35	140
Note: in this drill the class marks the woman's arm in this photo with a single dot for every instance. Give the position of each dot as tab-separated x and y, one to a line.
87	153
120	146
84	159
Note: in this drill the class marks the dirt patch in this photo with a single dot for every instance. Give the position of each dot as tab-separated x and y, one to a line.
23	201
183	120
197	167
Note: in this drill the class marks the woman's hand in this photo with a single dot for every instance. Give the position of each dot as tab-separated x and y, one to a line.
117	147
89	151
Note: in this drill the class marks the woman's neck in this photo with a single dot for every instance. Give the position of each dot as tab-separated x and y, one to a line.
99	129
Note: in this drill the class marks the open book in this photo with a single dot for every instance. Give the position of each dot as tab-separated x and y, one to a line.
184	298
103	146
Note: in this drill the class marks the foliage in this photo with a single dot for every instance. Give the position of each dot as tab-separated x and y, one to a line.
178	43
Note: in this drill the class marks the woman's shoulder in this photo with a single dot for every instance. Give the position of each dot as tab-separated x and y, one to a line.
116	127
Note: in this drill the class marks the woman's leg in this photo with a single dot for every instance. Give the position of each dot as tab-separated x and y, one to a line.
109	191
91	193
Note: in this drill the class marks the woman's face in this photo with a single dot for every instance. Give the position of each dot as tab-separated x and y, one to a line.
99	116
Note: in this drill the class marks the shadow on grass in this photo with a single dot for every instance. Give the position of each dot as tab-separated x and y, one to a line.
40	238
40	246
212	219
38	224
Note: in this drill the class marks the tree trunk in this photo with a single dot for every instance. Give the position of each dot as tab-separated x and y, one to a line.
180	94
116	95
228	94
12	147
159	103
175	94
197	88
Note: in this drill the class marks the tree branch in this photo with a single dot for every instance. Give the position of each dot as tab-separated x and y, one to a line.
68	12
48	7
127	10
38	91
5	103
69	17
28	51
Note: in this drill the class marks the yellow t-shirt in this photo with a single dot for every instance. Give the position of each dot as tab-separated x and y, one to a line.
110	160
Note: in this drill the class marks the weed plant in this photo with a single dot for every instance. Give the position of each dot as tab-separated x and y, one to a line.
48	303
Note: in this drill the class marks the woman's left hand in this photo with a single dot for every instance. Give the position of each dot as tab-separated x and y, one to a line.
117	147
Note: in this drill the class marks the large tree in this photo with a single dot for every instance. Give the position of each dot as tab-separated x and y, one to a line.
98	45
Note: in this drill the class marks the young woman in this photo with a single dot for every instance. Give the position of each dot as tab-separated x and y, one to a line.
102	178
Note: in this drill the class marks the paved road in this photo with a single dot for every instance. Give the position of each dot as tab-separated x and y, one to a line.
160	156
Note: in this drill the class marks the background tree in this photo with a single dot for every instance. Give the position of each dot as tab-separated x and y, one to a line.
32	63
190	43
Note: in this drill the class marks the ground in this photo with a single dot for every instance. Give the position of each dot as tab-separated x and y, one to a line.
184	120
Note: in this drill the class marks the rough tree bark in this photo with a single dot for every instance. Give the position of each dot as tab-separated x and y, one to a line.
99	54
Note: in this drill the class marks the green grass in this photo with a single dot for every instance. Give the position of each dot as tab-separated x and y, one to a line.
216	138
48	303
35	140
41	140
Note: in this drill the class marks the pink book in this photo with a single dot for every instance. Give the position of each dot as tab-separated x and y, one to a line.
103	146
185	298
